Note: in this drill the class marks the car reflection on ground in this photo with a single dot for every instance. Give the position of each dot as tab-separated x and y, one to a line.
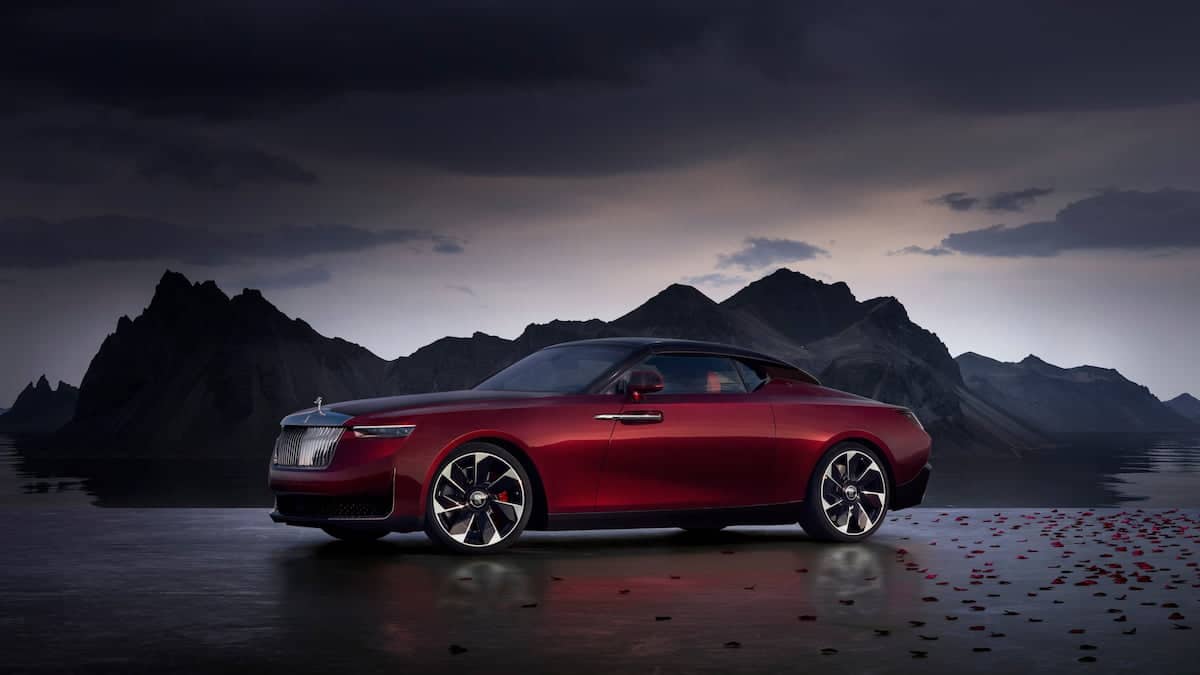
628	593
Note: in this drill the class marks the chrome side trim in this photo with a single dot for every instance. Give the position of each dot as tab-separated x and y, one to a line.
648	416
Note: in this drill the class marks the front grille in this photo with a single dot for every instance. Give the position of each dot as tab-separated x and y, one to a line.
306	447
325	506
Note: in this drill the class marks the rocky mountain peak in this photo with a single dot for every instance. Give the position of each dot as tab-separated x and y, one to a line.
175	295
1186	405
196	355
39	408
800	307
680	296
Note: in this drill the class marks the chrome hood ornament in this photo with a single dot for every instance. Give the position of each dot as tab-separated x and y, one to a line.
319	401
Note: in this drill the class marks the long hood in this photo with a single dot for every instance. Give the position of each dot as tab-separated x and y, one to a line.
340	413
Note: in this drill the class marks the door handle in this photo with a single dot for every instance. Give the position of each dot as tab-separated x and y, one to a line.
634	417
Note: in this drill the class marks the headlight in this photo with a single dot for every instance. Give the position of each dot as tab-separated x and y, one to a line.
913	416
384	431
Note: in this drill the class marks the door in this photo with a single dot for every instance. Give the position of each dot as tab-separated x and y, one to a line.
702	442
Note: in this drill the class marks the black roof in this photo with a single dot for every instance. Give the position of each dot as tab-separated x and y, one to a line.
678	345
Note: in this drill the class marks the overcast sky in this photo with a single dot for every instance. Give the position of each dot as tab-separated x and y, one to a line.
1025	178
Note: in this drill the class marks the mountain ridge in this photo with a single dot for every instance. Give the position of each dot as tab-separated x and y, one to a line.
1081	399
201	372
39	408
1187	405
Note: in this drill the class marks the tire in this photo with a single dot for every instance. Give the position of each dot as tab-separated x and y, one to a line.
862	500
354	535
480	500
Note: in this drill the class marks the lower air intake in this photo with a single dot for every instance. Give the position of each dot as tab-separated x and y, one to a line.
322	506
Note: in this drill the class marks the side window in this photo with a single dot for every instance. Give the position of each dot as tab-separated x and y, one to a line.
686	374
751	375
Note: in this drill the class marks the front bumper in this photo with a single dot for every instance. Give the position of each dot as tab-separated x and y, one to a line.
913	492
350	511
391	523
357	496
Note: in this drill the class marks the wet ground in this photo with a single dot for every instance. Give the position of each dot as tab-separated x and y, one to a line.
225	590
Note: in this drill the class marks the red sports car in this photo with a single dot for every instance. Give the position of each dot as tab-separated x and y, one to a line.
609	433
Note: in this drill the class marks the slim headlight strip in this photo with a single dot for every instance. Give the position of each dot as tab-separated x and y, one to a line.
384	431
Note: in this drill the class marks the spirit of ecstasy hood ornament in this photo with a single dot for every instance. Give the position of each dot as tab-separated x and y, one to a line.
319	400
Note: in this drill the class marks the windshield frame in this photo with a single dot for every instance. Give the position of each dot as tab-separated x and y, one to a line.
596	385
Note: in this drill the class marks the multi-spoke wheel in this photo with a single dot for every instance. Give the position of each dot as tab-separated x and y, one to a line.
480	500
847	496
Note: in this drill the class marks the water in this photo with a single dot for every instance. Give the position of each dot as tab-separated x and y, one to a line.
225	590
1150	471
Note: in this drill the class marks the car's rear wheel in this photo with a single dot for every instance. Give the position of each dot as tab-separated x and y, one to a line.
480	500
354	534
847	495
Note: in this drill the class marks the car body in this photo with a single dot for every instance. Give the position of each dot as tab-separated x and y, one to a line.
609	433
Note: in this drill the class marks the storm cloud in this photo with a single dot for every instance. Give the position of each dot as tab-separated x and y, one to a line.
33	243
209	56
760	252
1122	220
1016	200
934	251
155	152
956	201
589	88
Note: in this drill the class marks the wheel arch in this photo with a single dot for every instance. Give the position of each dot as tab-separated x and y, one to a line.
872	442
538	519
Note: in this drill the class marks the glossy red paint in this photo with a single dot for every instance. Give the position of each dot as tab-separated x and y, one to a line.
710	450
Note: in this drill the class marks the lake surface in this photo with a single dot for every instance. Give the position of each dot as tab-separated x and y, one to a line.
1150	471
91	590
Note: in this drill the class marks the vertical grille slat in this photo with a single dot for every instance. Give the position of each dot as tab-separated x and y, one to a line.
306	447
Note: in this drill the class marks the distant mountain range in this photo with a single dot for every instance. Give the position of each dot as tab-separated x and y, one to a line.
1186	405
201	373
39	408
1069	400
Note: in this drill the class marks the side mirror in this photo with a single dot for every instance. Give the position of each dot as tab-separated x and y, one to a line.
642	382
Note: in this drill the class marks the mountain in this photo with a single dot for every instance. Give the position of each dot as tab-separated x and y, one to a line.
450	363
202	373
40	409
873	348
199	372
870	348
1068	400
1186	405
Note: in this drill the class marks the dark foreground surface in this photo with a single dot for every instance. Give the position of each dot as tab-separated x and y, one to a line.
224	590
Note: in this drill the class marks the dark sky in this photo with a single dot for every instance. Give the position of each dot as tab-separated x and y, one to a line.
1025	177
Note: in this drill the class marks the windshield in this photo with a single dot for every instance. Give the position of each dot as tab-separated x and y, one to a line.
562	370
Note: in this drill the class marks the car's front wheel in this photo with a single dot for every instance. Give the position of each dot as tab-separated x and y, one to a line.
847	495
480	500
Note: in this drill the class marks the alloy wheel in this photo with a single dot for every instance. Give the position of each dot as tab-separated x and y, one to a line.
478	499
853	492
